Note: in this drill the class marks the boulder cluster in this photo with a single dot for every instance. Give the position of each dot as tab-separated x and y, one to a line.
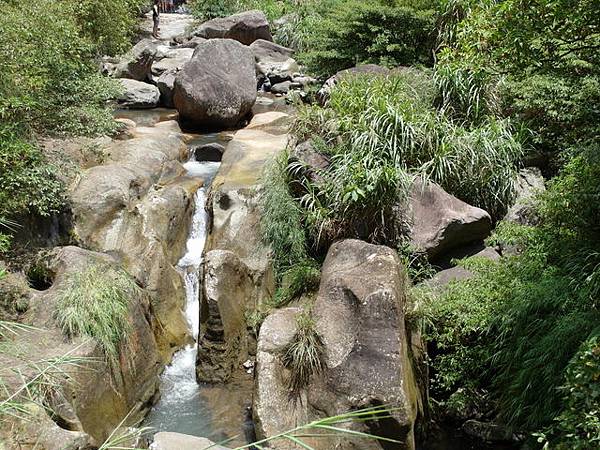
210	74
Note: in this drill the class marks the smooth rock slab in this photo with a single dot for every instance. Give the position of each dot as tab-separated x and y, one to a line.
177	441
138	95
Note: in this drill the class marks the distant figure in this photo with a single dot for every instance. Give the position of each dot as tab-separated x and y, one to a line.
155	19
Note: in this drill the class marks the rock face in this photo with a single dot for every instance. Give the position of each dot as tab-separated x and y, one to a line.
217	88
245	27
359	315
530	182
441	222
173	61
139	205
166	84
273	62
237	271
177	441
97	394
136	64
138	95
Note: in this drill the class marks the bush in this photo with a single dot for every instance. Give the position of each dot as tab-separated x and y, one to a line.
95	302
389	33
578	425
498	332
48	79
380	130
27	182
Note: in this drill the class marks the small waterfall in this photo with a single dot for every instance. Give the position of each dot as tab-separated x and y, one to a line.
181	402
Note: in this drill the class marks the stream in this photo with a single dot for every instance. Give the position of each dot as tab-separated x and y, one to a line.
185	406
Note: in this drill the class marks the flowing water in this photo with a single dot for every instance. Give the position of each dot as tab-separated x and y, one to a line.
185	406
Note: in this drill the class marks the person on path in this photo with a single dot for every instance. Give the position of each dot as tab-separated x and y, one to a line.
155	19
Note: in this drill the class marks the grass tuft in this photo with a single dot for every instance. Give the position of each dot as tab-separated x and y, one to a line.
95	303
304	355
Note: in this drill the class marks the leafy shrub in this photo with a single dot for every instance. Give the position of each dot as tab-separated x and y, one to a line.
547	53
109	25
498	332
578	425
304	355
204	10
48	76
380	130
27	182
95	302
390	33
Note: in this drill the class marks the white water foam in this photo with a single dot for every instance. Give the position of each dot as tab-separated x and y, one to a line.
179	389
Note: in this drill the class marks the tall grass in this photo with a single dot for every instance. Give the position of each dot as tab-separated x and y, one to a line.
304	355
383	130
95	302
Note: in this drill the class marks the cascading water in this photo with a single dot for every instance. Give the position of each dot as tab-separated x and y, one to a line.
180	408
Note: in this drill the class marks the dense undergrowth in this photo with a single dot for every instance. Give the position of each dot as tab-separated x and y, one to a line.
50	84
509	76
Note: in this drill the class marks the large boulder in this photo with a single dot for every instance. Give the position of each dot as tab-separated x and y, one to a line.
273	62
217	88
93	396
530	183
237	273
136	64
138	95
441	222
139	205
245	27
359	313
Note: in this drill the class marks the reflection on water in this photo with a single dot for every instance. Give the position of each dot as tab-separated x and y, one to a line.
146	117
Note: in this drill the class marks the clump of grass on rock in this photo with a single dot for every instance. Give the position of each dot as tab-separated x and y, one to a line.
304	355
94	302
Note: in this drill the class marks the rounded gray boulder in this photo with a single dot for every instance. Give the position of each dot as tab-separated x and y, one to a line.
217	88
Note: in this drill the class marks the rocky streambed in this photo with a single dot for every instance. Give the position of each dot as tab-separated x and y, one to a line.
179	211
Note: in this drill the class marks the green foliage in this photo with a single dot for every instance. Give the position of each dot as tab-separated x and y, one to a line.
547	52
382	129
578	425
95	302
302	278
27	182
204	10
49	80
281	218
390	33
304	355
109	25
499	330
